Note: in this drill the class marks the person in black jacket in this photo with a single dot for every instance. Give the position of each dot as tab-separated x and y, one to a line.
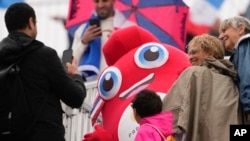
42	74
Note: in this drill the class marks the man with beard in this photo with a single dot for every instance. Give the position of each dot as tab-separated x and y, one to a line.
89	38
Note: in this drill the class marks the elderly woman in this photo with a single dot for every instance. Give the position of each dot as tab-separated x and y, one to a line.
204	46
235	35
204	99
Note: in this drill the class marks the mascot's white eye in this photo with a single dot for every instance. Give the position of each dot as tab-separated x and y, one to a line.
109	83
151	55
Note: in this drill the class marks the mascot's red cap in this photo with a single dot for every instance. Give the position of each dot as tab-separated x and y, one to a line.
122	41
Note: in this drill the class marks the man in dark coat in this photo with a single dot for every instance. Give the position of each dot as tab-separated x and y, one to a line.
44	79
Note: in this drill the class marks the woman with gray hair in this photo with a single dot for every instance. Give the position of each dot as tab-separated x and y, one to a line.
235	35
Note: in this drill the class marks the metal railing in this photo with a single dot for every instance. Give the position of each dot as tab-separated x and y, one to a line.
77	121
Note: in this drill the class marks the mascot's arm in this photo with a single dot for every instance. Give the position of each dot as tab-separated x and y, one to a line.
99	134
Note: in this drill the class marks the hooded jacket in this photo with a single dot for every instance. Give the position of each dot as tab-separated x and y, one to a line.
205	101
43	77
162	121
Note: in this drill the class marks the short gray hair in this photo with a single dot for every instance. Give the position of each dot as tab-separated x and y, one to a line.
235	22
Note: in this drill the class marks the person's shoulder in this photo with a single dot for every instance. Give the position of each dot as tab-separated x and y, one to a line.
243	41
245	37
145	129
45	50
80	29
194	71
44	47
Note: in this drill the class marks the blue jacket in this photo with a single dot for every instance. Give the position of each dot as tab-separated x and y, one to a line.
241	60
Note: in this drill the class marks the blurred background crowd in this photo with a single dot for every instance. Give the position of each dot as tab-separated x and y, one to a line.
204	17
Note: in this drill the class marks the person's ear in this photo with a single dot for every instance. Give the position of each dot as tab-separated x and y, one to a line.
32	23
242	30
134	111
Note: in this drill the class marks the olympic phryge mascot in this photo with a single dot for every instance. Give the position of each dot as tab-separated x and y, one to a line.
136	60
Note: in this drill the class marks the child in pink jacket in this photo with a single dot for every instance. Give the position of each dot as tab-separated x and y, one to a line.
154	124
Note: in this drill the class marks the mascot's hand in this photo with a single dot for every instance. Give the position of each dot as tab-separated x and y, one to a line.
99	134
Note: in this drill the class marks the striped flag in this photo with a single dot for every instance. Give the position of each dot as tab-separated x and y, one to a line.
203	14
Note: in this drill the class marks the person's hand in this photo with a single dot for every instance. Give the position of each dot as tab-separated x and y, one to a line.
99	134
72	68
91	33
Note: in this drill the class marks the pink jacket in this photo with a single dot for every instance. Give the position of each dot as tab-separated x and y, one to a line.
163	121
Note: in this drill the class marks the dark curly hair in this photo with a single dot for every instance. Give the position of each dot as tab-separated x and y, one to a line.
147	103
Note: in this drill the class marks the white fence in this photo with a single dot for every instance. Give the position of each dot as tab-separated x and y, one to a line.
77	121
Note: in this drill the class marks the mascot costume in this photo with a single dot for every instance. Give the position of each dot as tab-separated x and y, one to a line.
137	60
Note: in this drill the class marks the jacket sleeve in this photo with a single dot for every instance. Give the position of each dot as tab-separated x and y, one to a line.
71	91
243	70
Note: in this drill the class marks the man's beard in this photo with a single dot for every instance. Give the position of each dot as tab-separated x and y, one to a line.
106	15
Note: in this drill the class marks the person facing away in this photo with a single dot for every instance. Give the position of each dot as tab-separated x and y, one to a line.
155	125
205	98
234	32
42	74
88	40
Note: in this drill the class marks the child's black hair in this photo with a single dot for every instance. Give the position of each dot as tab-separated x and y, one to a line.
147	103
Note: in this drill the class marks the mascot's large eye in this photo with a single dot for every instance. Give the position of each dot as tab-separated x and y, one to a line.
109	83
151	55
